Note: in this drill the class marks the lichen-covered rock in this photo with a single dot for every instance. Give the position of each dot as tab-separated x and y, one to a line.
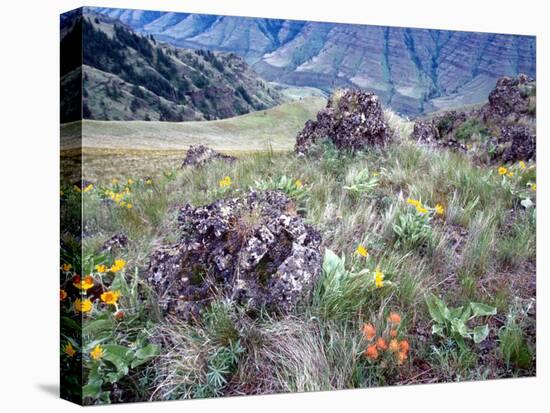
352	119
115	243
430	132
253	250
511	96
519	144
199	155
425	132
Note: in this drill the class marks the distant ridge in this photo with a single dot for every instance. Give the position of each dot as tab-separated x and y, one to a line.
414	71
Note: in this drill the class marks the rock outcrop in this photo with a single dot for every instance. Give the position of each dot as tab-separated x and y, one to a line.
253	250
352	120
199	155
511	96
504	126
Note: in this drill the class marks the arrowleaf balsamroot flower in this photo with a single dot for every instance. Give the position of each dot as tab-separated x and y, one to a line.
66	267
362	251
369	332
439	210
83	306
110	297
522	165
62	294
69	350
502	170
298	184
118	265
101	268
83	284
378	278
414	202
96	353
225	182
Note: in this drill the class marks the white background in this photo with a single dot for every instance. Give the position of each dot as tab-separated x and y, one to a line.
29	202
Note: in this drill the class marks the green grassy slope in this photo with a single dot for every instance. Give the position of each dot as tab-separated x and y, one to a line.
256	131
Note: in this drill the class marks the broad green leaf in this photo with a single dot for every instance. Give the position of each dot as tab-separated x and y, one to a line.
119	284
71	324
92	389
481	333
480	309
465	316
459	327
145	354
331	262
438	330
98	326
437	309
120	356
456	312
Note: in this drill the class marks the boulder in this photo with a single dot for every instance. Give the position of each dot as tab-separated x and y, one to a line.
352	120
511	96
199	155
519	144
253	250
425	132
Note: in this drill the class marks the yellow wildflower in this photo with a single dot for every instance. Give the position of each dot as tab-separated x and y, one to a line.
439	210
533	187
122	204
69	350
77	188
110	297
62	294
362	251
421	210
130	181
502	170
298	184
96	353
83	306
89	187
378	278
83	284
414	202
149	181
100	268
129	205
510	174
66	267
117	266
225	182
114	181
522	165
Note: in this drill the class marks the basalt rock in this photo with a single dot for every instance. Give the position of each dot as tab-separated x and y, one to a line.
519	144
199	155
352	119
254	251
115	243
511	96
425	132
430	132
